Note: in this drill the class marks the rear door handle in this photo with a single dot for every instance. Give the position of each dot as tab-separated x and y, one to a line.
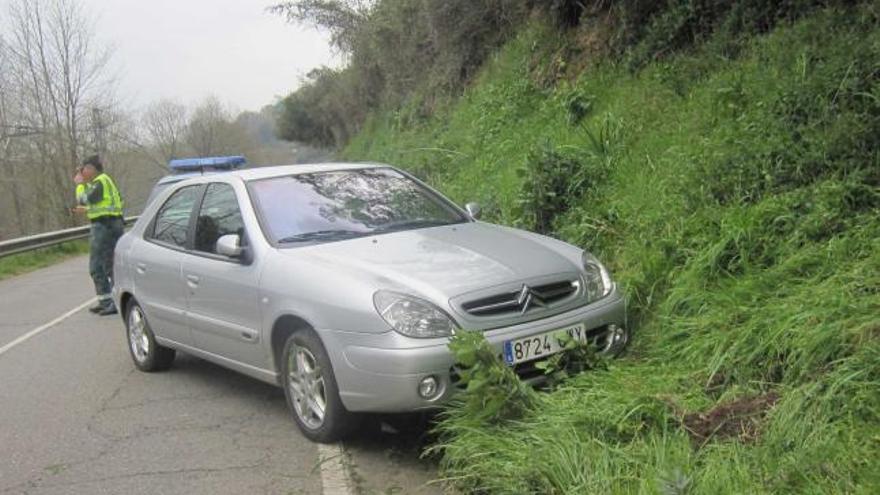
192	281
141	268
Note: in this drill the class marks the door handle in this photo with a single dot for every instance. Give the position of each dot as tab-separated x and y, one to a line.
192	281
141	268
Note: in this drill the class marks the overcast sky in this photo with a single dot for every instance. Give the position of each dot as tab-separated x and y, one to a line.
188	49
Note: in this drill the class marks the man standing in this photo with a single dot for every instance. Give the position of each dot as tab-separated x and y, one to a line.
97	194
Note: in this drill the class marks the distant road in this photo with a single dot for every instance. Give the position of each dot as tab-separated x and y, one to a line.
77	418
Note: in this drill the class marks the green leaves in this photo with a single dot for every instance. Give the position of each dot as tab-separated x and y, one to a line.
493	392
575	358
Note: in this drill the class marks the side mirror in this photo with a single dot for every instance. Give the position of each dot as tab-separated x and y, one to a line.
229	245
473	210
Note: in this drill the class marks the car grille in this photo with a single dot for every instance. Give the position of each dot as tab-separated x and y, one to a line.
522	301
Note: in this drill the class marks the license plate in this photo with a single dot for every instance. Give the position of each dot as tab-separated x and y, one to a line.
539	346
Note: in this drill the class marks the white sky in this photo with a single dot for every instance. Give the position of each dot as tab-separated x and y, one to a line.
186	50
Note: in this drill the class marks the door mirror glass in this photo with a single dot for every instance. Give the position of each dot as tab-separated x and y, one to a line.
229	245
473	210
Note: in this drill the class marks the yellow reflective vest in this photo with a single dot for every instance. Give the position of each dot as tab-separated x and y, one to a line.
110	204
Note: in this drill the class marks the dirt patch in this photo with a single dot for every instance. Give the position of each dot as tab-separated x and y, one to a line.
740	419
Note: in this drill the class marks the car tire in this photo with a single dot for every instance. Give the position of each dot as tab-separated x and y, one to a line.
145	352
311	390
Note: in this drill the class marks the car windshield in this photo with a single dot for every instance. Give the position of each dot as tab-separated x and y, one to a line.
329	206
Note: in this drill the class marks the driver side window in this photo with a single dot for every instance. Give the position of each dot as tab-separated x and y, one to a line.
219	215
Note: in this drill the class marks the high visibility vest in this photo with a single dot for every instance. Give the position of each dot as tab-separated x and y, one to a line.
111	202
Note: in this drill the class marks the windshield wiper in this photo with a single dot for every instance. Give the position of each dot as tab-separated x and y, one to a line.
322	235
411	224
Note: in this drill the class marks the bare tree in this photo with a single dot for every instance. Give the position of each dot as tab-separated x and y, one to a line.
211	130
55	75
206	126
9	131
165	123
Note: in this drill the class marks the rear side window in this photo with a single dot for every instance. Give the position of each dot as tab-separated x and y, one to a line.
172	221
218	216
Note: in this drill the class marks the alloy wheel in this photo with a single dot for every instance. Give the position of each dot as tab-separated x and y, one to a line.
137	334
306	384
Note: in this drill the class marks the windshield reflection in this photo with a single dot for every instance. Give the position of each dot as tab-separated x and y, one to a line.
337	205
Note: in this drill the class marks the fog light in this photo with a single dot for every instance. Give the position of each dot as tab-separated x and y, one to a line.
428	387
615	339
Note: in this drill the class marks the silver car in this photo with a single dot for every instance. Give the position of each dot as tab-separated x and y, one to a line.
342	283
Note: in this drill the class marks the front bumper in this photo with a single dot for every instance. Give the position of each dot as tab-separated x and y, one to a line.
381	373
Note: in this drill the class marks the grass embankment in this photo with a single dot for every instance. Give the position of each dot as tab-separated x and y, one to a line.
736	201
18	264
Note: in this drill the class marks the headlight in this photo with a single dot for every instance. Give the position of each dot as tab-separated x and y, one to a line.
598	282
412	316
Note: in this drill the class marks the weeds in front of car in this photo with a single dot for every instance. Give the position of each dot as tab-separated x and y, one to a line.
492	392
575	357
739	212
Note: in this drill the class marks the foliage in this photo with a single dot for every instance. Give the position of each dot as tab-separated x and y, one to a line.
556	179
402	51
316	113
492	393
576	357
737	207
655	31
395	49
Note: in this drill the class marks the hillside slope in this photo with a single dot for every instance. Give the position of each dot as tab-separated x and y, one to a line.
736	201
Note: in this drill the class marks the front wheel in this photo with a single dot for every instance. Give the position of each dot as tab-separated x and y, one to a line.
145	352
311	390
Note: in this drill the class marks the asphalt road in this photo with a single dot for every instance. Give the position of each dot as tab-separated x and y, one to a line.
76	417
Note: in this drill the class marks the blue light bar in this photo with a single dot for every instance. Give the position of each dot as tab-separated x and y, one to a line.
207	163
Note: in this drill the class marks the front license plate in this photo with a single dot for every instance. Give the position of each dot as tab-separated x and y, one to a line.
539	346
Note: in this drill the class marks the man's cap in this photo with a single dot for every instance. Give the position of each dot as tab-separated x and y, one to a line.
94	161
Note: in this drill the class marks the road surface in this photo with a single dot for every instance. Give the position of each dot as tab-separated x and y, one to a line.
76	417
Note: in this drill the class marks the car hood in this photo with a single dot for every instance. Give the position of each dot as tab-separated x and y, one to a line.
444	262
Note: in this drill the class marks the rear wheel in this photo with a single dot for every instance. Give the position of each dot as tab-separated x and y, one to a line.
145	352
311	390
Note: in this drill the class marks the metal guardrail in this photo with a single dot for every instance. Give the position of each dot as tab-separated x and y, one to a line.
47	239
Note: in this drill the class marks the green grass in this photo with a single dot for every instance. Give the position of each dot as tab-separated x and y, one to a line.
18	264
740	214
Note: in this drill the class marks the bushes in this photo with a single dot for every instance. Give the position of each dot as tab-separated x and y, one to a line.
396	50
557	179
657	32
401	51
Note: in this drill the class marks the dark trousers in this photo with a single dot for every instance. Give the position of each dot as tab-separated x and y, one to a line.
105	232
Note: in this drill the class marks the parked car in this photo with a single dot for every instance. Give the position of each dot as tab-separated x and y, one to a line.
342	283
185	168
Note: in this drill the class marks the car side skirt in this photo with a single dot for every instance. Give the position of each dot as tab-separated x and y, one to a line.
263	375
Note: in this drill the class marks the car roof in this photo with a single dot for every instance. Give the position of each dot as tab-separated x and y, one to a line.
303	168
250	174
170	179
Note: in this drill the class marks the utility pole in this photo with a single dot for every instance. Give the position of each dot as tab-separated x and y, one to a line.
99	131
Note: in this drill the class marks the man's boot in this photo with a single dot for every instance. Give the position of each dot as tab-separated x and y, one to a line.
108	309
97	308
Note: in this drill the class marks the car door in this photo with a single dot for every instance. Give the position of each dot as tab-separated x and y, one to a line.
222	292
157	266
